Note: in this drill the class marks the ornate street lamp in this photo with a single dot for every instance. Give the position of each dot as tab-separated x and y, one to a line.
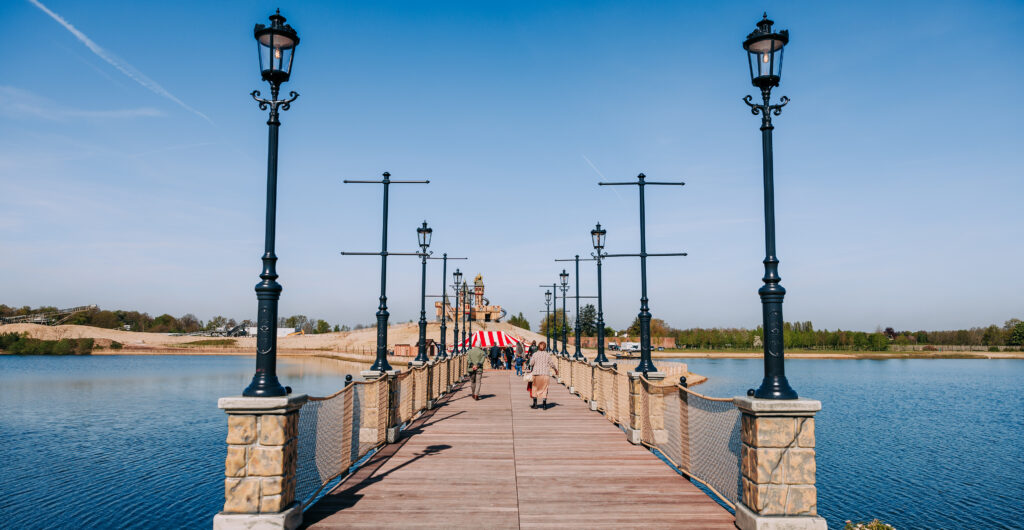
564	280
457	276
423	234
764	56
467	314
598	235
276	45
547	319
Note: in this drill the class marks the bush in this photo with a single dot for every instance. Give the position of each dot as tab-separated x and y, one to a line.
21	344
993	348
929	348
114	345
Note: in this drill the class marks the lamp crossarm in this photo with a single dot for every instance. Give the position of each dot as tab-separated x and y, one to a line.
385	182
581	259
642	183
385	253
450	258
643	255
273	103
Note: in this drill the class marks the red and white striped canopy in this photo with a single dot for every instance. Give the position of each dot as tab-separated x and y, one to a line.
486	339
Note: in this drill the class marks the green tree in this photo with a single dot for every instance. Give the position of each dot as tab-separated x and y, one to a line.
295	322
588	320
322	327
993	336
1016	337
520	321
215	323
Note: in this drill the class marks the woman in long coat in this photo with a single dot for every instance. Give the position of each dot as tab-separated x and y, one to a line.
541	366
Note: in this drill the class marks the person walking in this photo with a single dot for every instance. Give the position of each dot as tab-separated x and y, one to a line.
475	362
541	366
519	363
494	357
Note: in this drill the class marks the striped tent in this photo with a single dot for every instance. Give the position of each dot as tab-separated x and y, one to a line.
486	339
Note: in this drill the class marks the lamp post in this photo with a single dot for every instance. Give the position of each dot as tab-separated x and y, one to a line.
564	280
276	46
457	277
646	365
579	354
597	235
380	364
764	57
547	320
423	234
466	314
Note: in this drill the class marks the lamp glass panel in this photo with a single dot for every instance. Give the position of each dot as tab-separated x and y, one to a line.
766	57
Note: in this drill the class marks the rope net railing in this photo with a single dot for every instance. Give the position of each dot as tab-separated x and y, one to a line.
699	435
336	432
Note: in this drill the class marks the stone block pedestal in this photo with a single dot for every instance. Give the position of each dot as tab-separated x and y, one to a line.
634	431
259	483
778	465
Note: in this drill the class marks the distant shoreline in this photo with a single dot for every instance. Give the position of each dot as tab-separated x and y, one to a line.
693	354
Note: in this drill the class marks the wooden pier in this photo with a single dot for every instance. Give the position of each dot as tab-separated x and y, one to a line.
497	463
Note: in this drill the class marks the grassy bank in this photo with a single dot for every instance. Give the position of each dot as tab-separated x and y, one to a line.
22	344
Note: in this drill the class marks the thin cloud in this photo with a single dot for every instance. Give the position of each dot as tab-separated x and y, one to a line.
122	66
24	103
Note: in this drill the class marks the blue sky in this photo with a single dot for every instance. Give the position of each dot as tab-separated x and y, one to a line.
132	160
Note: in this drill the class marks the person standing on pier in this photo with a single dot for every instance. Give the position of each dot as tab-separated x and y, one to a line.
475	362
541	367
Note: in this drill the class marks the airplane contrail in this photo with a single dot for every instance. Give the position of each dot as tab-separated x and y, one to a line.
124	67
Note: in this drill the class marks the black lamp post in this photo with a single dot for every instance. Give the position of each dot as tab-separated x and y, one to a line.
423	234
276	45
598	234
764	57
457	276
564	280
646	364
579	354
547	320
466	314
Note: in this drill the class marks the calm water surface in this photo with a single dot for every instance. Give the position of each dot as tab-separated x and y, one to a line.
124	441
917	443
137	441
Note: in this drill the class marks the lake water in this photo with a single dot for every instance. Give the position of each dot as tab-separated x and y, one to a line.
125	441
917	443
137	441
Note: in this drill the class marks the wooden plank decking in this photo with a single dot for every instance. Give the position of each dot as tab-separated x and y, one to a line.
496	463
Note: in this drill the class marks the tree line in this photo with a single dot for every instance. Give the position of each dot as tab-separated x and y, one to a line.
166	323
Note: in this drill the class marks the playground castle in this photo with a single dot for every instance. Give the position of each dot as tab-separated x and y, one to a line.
478	308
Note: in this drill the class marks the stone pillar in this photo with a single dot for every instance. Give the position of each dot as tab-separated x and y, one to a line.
778	467
594	374
634	431
378	423
259	483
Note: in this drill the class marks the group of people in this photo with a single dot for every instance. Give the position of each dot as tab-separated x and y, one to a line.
536	359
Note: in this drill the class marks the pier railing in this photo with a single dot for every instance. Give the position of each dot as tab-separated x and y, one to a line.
337	431
283	451
698	435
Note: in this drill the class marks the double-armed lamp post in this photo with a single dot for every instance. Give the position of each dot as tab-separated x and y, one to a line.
646	365
764	57
423	234
380	364
276	45
443	350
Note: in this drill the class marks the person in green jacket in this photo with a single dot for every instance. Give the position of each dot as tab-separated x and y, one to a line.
475	360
